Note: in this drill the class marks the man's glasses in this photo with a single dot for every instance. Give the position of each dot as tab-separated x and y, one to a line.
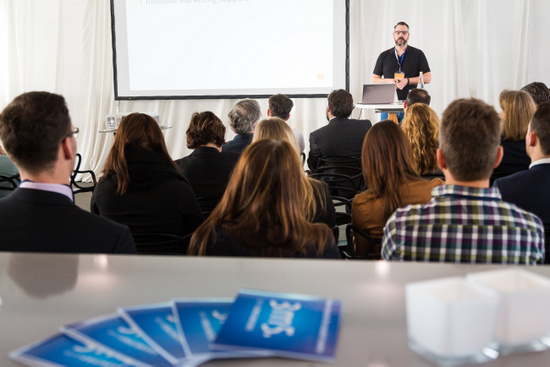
73	133
403	33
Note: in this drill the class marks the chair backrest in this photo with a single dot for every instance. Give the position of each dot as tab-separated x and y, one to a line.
339	184
8	183
371	252
349	166
77	188
161	243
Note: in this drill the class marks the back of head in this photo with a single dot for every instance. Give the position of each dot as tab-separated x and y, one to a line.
31	129
421	126
205	128
540	125
469	137
418	95
244	116
518	108
280	106
538	91
340	103
274	128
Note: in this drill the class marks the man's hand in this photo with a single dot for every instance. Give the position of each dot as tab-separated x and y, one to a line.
401	83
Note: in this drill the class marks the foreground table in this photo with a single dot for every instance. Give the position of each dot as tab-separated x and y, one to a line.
41	292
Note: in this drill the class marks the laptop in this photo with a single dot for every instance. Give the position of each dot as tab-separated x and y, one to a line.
378	93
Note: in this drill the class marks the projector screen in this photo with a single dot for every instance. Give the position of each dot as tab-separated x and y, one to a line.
170	49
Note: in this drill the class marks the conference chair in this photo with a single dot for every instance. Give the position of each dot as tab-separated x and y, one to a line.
8	183
349	252
347	166
161	243
78	188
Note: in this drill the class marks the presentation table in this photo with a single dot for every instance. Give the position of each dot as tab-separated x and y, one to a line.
41	292
391	108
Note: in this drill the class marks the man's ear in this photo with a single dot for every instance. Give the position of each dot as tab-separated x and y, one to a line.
500	154
67	149
288	117
531	139
404	105
441	160
268	112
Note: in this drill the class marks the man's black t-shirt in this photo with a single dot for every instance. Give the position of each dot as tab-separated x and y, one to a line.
414	62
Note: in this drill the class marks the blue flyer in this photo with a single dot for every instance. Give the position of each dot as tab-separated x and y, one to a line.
113	333
60	350
289	325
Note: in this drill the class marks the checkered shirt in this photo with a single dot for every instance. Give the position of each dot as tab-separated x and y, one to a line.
464	225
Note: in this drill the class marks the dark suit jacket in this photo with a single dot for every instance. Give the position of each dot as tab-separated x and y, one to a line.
42	221
239	143
515	159
342	137
208	171
529	190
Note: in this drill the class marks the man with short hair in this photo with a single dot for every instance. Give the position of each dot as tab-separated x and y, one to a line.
466	221
280	106
529	189
342	137
417	95
242	120
40	215
538	91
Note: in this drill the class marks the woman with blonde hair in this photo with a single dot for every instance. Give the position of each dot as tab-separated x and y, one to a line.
392	180
517	109
421	126
317	200
142	187
261	212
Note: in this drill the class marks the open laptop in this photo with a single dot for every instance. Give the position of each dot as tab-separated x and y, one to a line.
378	93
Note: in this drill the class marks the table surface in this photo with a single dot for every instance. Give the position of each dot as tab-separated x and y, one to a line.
41	292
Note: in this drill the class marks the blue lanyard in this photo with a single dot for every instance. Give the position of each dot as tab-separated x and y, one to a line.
399	62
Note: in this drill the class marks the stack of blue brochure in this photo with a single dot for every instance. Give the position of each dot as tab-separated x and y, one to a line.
189	332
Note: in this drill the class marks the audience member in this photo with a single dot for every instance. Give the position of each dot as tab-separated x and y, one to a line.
40	215
466	221
421	126
243	117
538	91
8	169
262	211
142	187
392	181
417	95
280	106
318	204
517	108
342	137
527	189
208	168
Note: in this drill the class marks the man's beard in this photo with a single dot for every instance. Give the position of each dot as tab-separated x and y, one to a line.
401	42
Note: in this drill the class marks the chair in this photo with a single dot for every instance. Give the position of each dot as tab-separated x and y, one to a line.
339	184
161	243
74	185
349	166
348	251
8	183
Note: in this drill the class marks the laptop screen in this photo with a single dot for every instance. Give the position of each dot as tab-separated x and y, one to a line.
378	93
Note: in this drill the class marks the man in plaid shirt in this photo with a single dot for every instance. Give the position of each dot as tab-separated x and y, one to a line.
466	221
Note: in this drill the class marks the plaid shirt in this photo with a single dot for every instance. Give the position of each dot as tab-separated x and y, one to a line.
464	225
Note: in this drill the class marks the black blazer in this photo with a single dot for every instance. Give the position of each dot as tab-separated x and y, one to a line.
239	143
42	221
342	137
515	159
208	171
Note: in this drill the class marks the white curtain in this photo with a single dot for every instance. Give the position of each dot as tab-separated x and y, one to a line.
475	48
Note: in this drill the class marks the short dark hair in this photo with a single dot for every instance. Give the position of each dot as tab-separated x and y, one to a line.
31	128
244	115
340	103
417	95
538	91
469	137
540	125
204	128
280	106
401	23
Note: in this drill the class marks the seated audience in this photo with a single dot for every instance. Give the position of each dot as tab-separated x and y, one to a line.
262	210
8	169
392	181
417	95
280	106
421	126
208	168
517	109
528	189
242	119
318	204
538	91
466	221
142	187
40	215
342	137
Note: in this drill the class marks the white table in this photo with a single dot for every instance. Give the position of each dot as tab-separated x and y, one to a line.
41	292
380	108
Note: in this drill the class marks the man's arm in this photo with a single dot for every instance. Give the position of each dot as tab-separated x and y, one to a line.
390	249
377	79
314	153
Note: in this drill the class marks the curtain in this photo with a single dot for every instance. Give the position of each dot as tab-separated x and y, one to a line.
475	48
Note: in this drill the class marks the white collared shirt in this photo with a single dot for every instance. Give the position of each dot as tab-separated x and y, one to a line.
540	161
58	188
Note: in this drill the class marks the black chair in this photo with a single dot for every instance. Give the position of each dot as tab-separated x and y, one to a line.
9	183
348	251
161	243
339	184
77	188
347	166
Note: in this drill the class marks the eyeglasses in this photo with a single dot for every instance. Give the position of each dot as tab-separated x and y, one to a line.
403	33
73	133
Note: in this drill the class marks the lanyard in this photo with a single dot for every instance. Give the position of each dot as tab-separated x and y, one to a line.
399	62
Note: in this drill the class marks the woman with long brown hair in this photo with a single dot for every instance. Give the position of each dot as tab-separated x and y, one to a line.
142	187
392	180
261	212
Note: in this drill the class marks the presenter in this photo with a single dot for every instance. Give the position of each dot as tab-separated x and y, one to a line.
401	65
